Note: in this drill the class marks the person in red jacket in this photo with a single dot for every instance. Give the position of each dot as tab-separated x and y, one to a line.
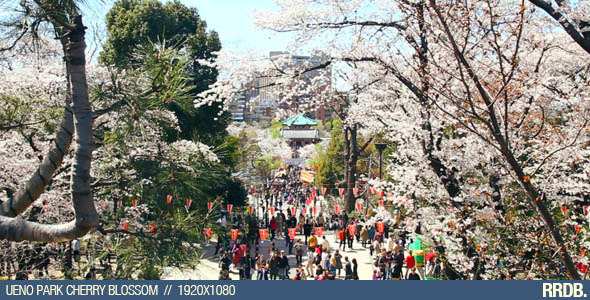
342	237
410	264
273	228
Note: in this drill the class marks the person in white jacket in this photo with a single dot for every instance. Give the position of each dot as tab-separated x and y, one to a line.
310	262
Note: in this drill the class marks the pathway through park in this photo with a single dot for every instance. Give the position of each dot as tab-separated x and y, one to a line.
208	268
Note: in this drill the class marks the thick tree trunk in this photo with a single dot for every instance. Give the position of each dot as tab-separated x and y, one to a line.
86	217
351	162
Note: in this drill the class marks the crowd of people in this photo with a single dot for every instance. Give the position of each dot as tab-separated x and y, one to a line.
282	208
314	257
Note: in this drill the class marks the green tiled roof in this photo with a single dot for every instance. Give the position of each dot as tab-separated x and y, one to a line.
299	120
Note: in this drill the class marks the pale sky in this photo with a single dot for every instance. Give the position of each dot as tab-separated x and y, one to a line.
232	19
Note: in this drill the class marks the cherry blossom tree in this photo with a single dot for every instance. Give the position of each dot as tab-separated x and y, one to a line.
483	111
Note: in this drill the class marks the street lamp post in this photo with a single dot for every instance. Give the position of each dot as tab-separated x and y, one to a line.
380	147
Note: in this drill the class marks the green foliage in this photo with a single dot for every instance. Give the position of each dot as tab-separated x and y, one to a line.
139	100
132	24
330	162
275	129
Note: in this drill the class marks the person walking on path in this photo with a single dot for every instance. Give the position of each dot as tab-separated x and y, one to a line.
325	260
307	230
298	251
313	241
310	261
280	219
283	266
398	263
325	245
355	269
347	269
350	238
273	266
342	238
413	275
224	262
273	228
410	264
263	273
364	236
338	258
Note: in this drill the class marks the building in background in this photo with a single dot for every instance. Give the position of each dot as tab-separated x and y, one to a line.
298	131
262	103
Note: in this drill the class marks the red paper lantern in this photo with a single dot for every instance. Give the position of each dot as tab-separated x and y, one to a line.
311	197
380	203
380	227
169	199
355	191
313	192
125	225
337	208
577	228
250	209
209	206
292	210
359	207
319	231
134	202
352	230
315	210
303	210
372	190
308	201
153	228
272	210
188	202
207	232
292	233
341	191
380	194
234	234
324	190
263	233
229	207
564	209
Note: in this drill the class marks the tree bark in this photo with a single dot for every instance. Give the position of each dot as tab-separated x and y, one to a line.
581	36
39	180
16	229
351	162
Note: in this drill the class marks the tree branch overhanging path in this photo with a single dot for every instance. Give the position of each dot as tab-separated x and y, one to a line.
77	120
580	33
